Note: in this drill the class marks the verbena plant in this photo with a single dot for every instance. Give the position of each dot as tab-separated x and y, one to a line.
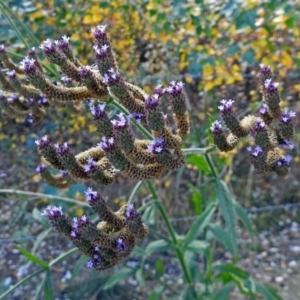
28	91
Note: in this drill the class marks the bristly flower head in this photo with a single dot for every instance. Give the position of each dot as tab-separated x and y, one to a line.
265	71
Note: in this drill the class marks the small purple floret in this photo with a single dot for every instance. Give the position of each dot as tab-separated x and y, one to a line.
175	89
216	127
63	43
256	152
53	212
43	142
40	168
99	31
91	195
136	116
271	87
121	123
120	244
152	102
107	144
259	125
156	146
287	116
131	213
284	161
226	106
28	65
264	109
11	74
85	72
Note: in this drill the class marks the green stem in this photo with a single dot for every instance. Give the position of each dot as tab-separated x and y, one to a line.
197	150
21	282
171	232
62	257
210	163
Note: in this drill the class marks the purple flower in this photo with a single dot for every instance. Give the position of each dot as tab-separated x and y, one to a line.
265	70
226	106
85	72
284	161
259	125
53	212
175	88
63	43
62	149
30	118
136	116
12	98
90	166
90	264
43	142
159	90
2	49
43	99
11	74
99	31
101	52
48	47
120	244
131	213
287	144
107	144
152	102
111	78
271	87
97	110
286	117
91	195
40	168
31	51
66	79
121	123
156	146
255	152
264	109
216	127
28	66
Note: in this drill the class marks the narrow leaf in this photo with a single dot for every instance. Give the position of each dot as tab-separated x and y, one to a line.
230	268
48	289
32	257
226	204
200	224
222	236
156	246
266	292
140	277
243	216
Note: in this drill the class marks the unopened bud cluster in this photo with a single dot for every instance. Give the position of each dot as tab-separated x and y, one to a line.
271	130
106	243
27	93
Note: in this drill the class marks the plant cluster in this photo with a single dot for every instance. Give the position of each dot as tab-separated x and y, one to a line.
273	128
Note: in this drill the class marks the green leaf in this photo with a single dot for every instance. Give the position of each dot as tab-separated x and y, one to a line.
116	277
48	290
140	277
197	246
135	191
40	238
160	267
226	204
160	245
155	295
80	263
32	257
197	199
231	268
266	292
222	236
200	162
243	216
223	292
200	224
139	251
